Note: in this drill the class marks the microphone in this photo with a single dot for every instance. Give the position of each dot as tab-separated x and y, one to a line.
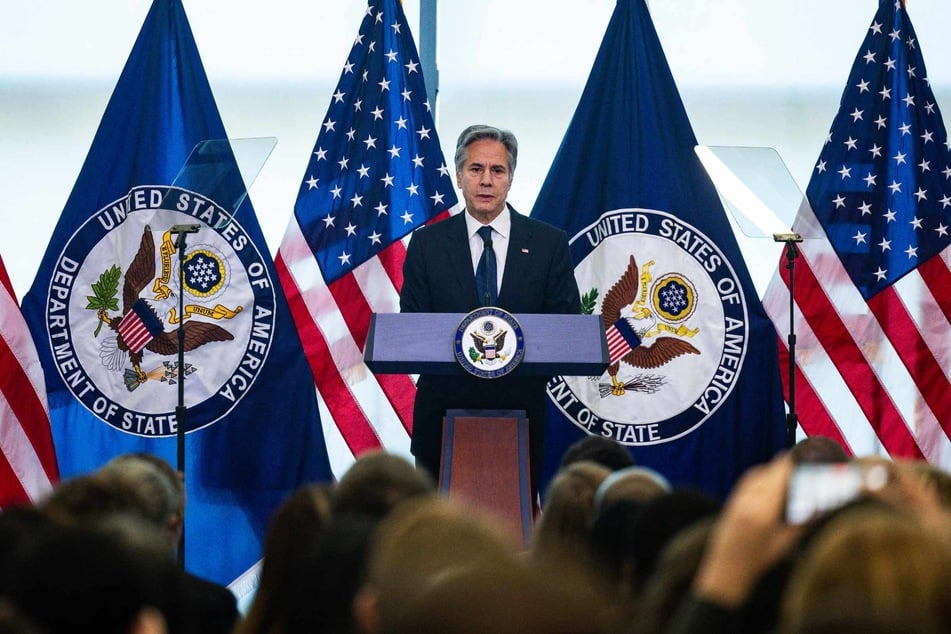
181	230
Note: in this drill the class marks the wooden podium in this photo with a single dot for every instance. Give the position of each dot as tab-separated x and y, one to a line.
554	345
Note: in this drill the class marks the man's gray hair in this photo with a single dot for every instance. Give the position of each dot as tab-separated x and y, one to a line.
158	486
479	132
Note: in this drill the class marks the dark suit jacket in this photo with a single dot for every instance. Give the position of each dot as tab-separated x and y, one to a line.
438	278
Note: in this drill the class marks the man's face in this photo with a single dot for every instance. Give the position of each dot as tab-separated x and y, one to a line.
485	179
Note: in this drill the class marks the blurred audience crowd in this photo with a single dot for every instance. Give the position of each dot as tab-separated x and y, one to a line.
616	549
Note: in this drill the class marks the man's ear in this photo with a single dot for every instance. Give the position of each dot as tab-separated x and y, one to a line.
149	621
174	528
366	613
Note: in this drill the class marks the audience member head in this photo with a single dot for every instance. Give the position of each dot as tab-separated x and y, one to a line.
567	512
324	578
134	500
296	524
421	540
160	486
90	498
936	480
628	537
75	579
904	487
377	482
818	449
632	484
871	568
670	584
509	599
606	452
19	526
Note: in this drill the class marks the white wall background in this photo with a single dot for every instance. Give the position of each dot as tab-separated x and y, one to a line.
751	72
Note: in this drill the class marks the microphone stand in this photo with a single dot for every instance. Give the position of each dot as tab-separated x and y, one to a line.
181	413
792	418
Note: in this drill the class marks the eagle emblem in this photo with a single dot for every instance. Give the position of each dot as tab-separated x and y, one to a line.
139	327
489	343
649	314
676	328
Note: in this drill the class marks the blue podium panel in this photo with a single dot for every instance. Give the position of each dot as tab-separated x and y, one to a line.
422	343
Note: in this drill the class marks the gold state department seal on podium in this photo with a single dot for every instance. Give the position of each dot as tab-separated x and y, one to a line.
489	343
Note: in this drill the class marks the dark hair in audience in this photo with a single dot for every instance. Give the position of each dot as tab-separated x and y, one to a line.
672	579
377	482
605	451
87	499
295	526
567	512
74	579
19	526
325	577
818	450
628	537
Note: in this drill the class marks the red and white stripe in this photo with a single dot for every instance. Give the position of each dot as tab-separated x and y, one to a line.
27	463
133	332
359	411
617	344
875	375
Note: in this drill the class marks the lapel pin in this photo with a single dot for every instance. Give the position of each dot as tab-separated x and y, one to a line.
524	250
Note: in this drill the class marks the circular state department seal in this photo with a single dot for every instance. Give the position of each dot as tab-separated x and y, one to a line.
489	343
676	319
115	307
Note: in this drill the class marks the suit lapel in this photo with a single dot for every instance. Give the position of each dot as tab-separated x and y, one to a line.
460	260
516	258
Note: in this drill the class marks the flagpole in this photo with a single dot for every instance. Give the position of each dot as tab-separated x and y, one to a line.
427	49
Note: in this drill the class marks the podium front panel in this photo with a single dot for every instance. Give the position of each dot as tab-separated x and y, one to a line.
422	343
485	463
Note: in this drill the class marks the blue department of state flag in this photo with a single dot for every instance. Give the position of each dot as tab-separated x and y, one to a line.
253	433
699	399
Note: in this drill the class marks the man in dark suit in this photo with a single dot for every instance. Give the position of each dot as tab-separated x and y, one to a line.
534	273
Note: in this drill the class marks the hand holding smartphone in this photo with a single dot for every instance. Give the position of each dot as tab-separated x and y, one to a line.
815	489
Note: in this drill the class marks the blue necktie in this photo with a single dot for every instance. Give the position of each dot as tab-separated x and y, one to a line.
486	272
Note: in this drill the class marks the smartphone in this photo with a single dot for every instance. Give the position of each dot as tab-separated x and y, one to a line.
815	489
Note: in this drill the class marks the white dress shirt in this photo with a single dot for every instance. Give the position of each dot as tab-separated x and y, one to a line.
501	230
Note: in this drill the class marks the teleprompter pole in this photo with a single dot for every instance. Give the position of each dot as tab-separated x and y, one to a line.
181	413
792	252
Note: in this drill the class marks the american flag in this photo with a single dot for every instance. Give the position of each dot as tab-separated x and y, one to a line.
376	173
873	297
27	463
